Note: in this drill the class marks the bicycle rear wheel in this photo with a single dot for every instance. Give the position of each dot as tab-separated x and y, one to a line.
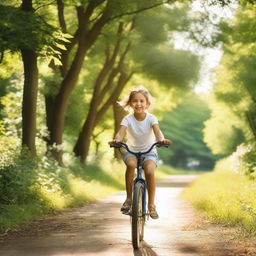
138	218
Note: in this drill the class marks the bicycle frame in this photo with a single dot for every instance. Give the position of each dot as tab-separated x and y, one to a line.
139	178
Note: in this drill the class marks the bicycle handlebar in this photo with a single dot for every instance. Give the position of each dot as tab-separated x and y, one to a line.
124	145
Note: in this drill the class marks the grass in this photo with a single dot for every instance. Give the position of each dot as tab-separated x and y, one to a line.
226	197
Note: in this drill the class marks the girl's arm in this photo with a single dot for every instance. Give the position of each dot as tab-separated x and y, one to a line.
120	134
159	135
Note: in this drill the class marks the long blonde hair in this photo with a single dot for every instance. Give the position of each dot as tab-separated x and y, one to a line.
126	102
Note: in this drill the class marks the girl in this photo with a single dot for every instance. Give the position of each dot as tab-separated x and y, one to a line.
142	131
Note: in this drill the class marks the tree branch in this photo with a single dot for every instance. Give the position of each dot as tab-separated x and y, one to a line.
139	10
61	17
122	81
2	57
43	5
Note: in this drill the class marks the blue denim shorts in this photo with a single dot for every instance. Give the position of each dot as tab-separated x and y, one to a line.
149	156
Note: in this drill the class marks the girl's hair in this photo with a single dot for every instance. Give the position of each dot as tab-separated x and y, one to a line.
126	102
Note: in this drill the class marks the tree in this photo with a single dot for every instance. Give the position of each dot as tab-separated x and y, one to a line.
30	42
234	88
231	129
184	126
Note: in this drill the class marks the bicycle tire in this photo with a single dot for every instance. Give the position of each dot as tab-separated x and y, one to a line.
138	218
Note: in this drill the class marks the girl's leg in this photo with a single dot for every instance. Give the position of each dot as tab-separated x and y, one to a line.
149	166
131	164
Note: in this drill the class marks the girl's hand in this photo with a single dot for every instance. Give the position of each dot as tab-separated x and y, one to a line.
166	142
113	142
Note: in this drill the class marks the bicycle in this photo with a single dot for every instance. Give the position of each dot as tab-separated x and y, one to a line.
138	212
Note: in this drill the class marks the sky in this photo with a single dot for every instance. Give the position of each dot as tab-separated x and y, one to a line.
210	56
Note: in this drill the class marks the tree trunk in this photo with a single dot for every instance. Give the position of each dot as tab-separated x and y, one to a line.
61	102
81	148
123	80
85	41
29	58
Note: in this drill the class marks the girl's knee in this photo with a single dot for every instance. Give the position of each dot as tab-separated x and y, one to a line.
149	167
150	173
131	163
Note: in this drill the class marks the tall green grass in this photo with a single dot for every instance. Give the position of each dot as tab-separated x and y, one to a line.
226	197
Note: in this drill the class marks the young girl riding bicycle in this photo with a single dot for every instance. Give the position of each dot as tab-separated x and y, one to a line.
142	131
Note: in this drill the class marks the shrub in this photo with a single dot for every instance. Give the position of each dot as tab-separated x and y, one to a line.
244	160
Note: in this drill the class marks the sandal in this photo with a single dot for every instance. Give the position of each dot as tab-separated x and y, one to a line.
152	211
125	209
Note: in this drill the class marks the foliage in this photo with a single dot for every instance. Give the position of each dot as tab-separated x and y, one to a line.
8	148
16	181
33	187
157	58
11	102
243	160
168	66
26	30
227	2
183	126
222	132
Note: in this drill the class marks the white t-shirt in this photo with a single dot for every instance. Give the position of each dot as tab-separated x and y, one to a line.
140	134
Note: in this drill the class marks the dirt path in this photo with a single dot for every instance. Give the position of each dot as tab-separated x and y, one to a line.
99	229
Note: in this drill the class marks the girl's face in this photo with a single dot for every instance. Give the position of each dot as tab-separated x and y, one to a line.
139	103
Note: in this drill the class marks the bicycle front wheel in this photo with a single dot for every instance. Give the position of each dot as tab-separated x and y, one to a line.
138	218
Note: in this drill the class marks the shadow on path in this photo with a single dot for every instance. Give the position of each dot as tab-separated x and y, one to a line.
145	250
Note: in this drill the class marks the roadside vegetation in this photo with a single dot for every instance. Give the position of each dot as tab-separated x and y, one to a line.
225	196
31	188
